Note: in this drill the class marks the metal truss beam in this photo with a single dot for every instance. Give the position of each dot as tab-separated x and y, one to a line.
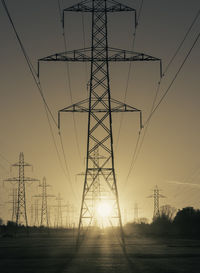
112	6
116	107
114	55
99	106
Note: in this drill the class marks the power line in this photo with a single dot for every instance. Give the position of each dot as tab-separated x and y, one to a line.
3	168
84	43
54	141
133	158
70	92
69	81
129	71
139	145
173	80
154	108
67	175
5	159
37	81
66	166
182	42
31	68
174	56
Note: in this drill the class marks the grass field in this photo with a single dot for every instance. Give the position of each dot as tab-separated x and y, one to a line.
99	253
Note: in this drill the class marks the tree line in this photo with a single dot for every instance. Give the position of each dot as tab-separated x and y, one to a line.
169	221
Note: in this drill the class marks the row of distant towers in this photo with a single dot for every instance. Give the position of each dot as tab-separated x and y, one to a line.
100	184
19	206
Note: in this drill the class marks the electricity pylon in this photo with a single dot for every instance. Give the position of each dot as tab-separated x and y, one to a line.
97	192
136	214
99	105
36	208
32	214
21	191
58	214
14	204
156	201
44	220
125	216
69	215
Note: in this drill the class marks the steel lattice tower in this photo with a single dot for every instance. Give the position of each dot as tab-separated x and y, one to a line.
36	218
32	214
99	105
21	192
96	187
136	209
69	215
58	214
44	208
156	200
14	204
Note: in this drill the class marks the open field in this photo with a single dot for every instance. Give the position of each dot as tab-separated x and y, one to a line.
101	253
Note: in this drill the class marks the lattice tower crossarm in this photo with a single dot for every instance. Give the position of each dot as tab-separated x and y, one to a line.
99	105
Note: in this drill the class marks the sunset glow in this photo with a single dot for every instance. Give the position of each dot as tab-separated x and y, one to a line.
104	209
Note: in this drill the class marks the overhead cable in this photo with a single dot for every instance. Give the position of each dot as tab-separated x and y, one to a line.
182	42
36	79
154	108
173	80
69	81
31	68
129	73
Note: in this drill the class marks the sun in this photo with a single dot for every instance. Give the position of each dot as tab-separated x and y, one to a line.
104	209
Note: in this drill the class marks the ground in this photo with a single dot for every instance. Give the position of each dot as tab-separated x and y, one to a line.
100	253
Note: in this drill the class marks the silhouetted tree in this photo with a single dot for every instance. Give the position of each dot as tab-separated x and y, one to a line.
143	220
187	221
162	224
168	212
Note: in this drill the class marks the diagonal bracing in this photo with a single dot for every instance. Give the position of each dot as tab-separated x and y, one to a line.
99	107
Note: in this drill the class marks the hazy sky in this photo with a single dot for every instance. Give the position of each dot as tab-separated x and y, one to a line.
170	152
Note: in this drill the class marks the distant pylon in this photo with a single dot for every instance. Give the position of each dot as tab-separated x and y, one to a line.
36	214
100	105
125	216
69	215
14	204
1	205
136	213
156	196
44	220
58	214
32	215
21	192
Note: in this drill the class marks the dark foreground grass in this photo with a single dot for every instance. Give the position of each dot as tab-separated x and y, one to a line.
98	254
